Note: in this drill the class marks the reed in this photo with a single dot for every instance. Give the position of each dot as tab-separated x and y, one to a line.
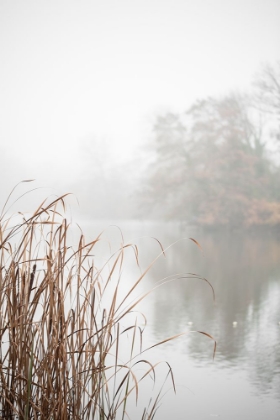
61	339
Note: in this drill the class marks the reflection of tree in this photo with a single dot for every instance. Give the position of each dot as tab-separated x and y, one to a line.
263	341
245	272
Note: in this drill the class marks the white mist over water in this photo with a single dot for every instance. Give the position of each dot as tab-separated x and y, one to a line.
81	80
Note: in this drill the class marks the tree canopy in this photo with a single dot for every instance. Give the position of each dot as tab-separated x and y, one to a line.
212	165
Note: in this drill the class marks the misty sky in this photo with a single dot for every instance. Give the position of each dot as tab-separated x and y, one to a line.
80	74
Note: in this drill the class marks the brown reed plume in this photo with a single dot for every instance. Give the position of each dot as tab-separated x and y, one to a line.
61	339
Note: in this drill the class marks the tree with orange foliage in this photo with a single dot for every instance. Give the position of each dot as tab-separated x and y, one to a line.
211	167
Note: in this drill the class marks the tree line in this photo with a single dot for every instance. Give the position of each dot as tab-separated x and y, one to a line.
217	164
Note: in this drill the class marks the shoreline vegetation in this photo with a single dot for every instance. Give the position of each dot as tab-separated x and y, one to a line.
217	165
71	339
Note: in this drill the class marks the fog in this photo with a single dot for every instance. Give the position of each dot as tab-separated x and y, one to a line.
83	83
160	119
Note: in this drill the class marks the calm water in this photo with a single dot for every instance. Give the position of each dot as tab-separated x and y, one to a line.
243	381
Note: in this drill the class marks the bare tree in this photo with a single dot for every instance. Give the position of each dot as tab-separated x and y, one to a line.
267	96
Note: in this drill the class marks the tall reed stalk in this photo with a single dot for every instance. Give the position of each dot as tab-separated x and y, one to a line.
60	344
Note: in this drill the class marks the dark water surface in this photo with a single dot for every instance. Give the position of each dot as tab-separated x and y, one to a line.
243	381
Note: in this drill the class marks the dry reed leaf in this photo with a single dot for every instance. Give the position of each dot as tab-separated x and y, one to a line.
161	247
57	361
212	338
165	341
197	243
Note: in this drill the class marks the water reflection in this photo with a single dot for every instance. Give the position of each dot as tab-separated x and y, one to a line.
245	273
244	270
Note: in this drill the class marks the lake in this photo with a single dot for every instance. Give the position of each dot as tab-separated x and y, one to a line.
243	380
